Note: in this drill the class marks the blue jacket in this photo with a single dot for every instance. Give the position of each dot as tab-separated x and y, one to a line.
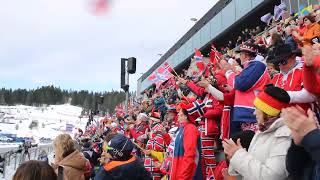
131	169
160	104
247	85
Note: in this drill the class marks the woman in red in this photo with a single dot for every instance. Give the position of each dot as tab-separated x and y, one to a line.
187	150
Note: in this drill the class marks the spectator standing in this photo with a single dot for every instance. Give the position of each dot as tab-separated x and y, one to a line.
187	150
68	162
122	165
265	158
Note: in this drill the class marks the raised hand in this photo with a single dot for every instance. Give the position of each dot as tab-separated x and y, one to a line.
299	123
230	147
203	83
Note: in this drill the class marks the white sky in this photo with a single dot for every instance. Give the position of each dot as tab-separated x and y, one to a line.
61	42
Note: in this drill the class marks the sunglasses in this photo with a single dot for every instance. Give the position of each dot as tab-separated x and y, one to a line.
107	148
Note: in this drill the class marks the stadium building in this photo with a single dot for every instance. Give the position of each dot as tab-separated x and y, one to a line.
223	22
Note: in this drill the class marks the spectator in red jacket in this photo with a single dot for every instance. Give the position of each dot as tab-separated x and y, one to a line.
311	76
210	118
186	157
290	77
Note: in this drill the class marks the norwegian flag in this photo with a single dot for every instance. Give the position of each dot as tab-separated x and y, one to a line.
161	75
215	57
198	57
167	66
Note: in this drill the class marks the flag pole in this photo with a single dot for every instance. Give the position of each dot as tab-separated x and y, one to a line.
176	74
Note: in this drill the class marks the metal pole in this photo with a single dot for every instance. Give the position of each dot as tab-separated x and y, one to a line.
15	161
127	92
4	166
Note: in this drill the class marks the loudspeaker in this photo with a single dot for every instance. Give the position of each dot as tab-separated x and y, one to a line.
123	84
132	65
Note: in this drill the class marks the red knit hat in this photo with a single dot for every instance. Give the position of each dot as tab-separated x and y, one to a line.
194	109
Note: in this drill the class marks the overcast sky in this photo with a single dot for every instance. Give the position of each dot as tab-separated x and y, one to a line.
60	42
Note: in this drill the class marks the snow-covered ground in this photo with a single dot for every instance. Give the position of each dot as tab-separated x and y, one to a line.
51	121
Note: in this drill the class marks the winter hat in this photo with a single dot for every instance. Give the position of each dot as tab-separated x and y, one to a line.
272	100
87	145
282	53
142	117
248	47
120	147
194	109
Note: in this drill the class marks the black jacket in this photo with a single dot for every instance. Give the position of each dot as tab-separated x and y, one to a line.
131	169
303	162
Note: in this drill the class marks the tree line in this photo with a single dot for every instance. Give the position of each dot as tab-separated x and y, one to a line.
50	95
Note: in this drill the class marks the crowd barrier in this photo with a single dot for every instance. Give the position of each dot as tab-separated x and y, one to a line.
14	157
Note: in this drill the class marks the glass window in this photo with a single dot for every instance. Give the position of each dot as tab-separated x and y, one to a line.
196	40
189	49
314	1
228	15
215	26
303	3
183	51
294	6
243	7
256	3
173	59
205	34
288	4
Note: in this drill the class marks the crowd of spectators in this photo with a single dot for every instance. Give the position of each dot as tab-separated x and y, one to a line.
253	113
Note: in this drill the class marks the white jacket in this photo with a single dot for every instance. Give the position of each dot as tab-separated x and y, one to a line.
266	157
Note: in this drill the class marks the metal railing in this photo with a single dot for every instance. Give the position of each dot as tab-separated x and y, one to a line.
17	156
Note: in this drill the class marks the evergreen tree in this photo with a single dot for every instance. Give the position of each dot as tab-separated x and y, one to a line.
51	95
2	99
29	99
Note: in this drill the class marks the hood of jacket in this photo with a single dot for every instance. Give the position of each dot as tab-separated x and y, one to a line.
74	160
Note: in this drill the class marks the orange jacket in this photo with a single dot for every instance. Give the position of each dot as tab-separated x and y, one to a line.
312	31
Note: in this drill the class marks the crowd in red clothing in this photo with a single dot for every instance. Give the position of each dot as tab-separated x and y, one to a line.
250	112
260	94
